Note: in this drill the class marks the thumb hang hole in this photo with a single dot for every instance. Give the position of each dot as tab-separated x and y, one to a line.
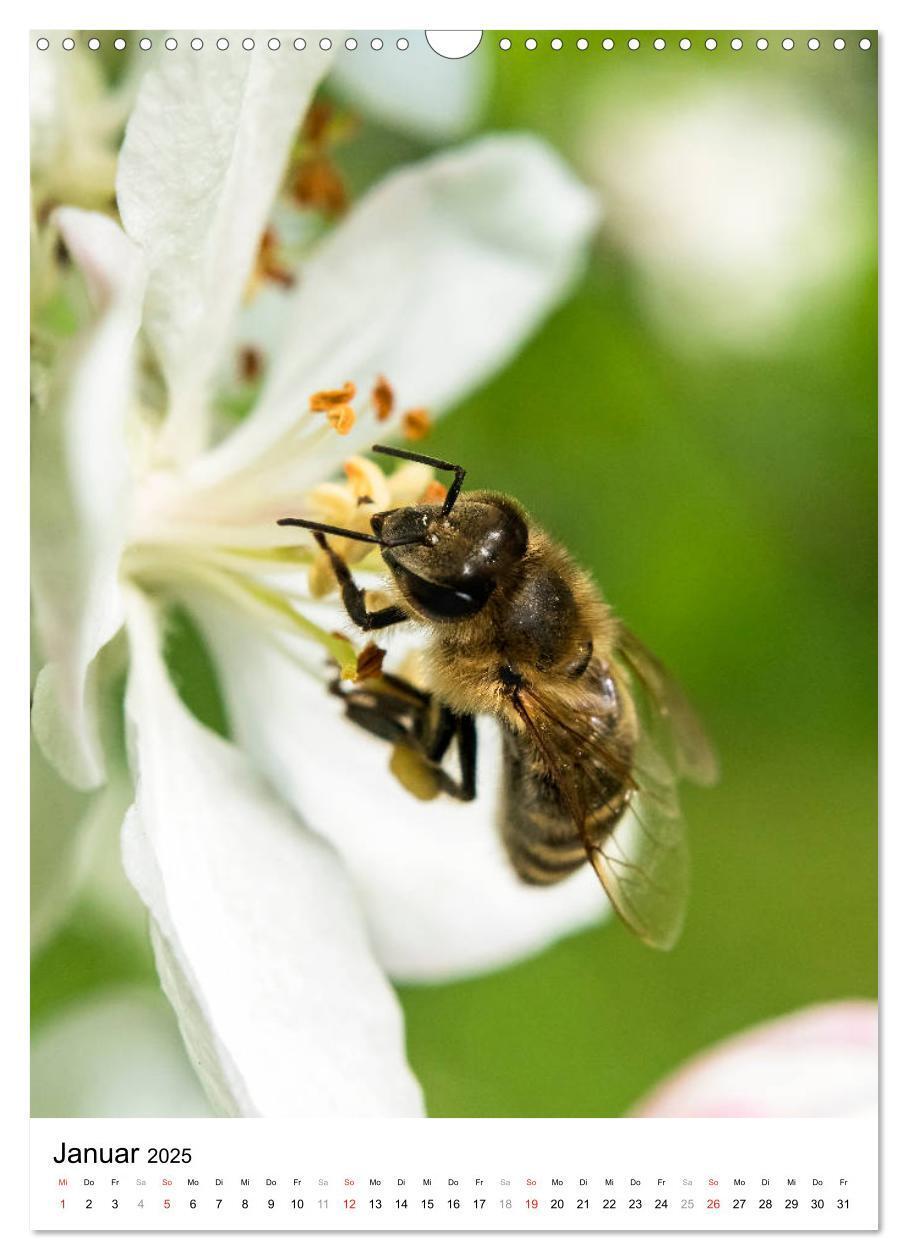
453	44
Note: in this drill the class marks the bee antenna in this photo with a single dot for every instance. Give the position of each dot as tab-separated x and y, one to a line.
442	464
318	527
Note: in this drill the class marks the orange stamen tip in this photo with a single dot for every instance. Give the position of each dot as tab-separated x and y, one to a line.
434	493
382	398
317	120
328	399
250	363
369	663
268	265
360	484
317	184
341	418
415	424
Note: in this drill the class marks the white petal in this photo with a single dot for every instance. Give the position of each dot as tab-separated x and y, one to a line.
819	1061
107	894
203	156
260	943
433	879
434	280
116	1053
58	851
416	91
80	484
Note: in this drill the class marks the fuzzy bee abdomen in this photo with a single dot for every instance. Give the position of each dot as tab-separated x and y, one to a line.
540	834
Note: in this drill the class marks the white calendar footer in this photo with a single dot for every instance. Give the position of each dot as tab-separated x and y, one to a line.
454	1174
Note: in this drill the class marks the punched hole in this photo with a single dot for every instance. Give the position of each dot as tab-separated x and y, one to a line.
453	44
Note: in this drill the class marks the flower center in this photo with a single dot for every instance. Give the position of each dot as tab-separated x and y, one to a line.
175	552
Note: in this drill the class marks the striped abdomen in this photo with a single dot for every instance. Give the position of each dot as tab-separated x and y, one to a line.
543	796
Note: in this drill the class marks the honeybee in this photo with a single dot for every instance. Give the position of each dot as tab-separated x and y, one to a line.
594	728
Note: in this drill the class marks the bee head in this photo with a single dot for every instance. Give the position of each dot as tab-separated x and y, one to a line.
446	558
447	564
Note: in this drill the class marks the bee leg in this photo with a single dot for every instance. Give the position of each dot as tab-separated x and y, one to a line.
402	714
466	753
464	727
386	706
354	598
390	697
376	718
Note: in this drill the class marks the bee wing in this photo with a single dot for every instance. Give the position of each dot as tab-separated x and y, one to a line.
668	711
644	868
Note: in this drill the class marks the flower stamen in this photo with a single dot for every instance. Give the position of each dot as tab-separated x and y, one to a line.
369	662
314	181
325	399
318	185
415	424
367	481
382	398
342	418
250	364
434	492
268	265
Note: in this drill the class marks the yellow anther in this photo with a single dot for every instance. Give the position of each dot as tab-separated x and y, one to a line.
382	398
326	399
416	424
342	418
367	481
332	503
434	493
268	264
250	363
317	184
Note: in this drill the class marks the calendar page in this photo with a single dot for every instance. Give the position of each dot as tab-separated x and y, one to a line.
453	560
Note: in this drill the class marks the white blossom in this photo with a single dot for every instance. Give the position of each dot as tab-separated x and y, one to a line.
287	873
821	1060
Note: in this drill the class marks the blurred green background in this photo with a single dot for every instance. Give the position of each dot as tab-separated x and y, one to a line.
723	493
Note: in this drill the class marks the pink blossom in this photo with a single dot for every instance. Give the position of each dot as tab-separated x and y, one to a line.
818	1061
